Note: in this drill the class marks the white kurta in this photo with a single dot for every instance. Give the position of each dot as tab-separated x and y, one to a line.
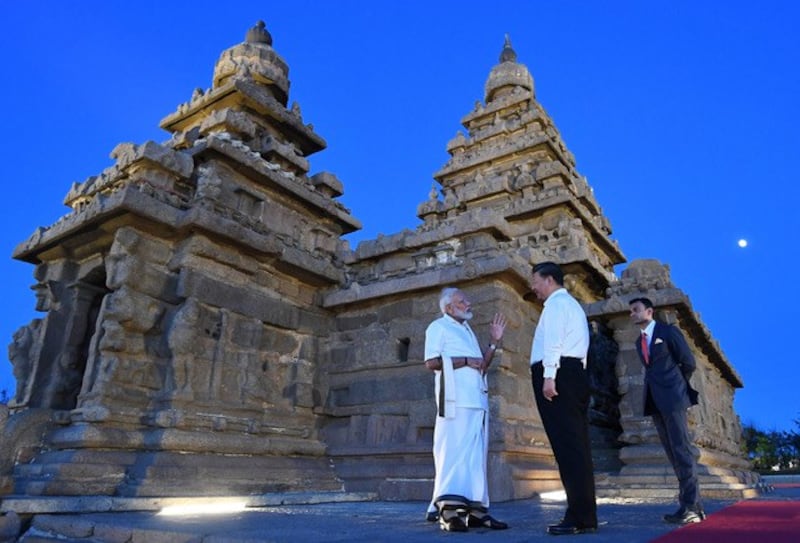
460	439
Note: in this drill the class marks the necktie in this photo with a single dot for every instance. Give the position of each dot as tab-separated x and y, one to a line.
645	350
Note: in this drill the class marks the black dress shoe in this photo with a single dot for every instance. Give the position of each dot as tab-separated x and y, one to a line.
567	528
684	515
432	516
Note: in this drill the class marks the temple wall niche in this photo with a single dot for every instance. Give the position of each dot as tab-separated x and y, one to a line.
50	354
716	425
374	372
129	363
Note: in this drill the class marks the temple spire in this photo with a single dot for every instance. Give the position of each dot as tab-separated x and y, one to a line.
508	54
507	75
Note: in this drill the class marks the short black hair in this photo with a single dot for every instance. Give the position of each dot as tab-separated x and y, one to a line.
646	302
550	269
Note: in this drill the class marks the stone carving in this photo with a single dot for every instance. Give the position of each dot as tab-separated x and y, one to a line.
184	348
20	354
209	186
601	364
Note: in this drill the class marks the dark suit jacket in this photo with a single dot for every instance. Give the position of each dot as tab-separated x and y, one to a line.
666	377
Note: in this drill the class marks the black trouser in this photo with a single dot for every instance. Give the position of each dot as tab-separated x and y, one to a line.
566	422
673	430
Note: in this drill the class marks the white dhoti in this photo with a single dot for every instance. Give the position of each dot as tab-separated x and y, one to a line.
460	450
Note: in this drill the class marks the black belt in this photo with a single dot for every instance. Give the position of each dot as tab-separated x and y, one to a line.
571	359
563	359
461	361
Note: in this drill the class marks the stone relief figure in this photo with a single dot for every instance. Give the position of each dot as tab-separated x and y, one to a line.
70	372
296	110
428	209
433	195
601	366
249	377
209	186
184	346
19	354
45	296
522	179
71	361
450	199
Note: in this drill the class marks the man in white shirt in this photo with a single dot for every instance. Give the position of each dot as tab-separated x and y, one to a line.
561	389
460	438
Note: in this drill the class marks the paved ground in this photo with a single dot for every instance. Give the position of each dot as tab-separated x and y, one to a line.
361	521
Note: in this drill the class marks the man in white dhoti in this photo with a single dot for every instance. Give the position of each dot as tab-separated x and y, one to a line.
460	438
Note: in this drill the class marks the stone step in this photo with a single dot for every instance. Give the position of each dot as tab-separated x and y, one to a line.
224	470
399	489
90	456
639	493
715	490
65	488
69	471
169	474
31	505
623	480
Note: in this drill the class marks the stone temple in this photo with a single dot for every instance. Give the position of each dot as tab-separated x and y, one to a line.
206	330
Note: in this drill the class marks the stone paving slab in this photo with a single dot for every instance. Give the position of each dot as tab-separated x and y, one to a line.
348	522
368	521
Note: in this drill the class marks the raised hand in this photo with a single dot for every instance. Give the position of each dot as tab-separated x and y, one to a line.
497	327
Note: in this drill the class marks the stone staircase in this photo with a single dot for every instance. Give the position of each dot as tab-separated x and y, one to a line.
659	482
120	473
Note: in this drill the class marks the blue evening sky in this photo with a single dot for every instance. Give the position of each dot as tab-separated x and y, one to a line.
683	115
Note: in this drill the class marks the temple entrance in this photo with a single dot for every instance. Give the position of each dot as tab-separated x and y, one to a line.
85	297
604	415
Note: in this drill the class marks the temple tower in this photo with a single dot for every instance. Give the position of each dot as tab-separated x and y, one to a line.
182	321
508	197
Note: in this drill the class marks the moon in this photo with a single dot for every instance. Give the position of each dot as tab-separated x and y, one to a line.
742	243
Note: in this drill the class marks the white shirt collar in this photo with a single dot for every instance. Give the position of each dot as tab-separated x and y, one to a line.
553	294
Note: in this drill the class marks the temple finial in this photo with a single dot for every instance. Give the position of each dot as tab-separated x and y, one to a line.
508	54
259	34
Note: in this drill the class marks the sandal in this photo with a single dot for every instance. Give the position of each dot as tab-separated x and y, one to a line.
486	521
453	524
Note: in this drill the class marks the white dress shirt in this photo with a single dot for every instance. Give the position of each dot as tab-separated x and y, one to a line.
649	330
562	330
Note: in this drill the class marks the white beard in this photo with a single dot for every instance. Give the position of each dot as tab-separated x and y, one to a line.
466	315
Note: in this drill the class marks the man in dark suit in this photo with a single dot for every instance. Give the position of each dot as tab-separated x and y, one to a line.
669	364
